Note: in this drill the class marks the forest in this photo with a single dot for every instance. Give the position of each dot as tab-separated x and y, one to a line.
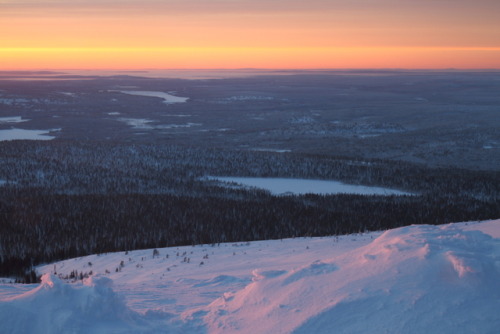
63	199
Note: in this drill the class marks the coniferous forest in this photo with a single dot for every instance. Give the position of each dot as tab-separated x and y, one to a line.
119	170
72	199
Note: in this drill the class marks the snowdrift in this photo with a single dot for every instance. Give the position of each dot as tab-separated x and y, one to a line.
57	307
433	279
409	280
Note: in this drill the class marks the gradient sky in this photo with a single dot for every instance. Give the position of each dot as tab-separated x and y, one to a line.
139	34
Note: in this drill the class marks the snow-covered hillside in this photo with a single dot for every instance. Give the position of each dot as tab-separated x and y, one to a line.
432	279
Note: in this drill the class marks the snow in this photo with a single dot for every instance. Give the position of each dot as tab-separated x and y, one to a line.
421	278
408	280
167	98
22	134
13	119
271	150
490	227
283	186
13	101
138	123
56	307
68	94
148	124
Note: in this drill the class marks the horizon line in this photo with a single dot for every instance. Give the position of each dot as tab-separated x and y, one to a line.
146	69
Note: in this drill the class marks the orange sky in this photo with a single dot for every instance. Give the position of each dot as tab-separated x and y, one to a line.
136	34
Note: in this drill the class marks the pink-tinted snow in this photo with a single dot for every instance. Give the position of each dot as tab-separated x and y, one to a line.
433	279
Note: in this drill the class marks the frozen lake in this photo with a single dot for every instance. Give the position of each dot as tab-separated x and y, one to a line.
271	150
22	134
13	119
282	186
167	98
138	123
148	124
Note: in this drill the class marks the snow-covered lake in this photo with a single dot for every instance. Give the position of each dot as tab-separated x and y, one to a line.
148	124
167	98
23	134
138	123
275	150
283	186
13	119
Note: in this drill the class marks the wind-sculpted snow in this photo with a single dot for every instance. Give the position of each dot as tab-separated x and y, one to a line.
220	280
416	279
408	280
423	279
55	306
314	269
58	307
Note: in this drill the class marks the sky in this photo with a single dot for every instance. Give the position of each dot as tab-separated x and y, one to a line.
309	34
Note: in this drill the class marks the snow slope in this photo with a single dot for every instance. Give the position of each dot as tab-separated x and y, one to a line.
433	279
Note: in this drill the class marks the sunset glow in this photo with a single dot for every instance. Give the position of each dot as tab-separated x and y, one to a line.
130	34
